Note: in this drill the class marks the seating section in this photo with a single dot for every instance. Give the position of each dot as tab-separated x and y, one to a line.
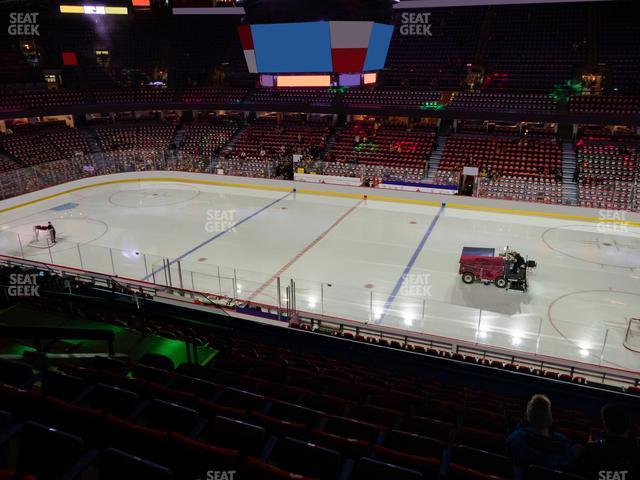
11	103
398	98
550	58
6	164
402	98
403	151
615	31
43	143
606	175
522	158
620	105
114	96
207	138
265	144
245	168
141	95
502	102
213	95
53	98
522	189
268	412
39	98
610	134
438	61
155	95
205	48
301	96
140	136
138	146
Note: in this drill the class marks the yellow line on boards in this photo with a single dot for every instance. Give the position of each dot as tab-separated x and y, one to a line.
378	198
541	214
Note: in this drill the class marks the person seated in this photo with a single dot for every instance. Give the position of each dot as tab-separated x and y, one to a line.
533	442
518	262
616	451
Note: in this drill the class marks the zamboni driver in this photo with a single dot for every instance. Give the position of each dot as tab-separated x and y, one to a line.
516	259
518	262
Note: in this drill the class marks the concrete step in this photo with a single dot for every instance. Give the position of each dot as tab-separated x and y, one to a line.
436	156
569	187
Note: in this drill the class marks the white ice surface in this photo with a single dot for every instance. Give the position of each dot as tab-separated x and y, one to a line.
346	261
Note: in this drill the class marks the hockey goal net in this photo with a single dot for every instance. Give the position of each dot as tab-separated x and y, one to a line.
42	238
632	337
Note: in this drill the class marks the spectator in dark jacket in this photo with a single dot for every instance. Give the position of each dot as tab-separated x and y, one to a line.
533	443
615	453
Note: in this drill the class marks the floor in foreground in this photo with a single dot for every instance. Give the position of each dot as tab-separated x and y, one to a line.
377	262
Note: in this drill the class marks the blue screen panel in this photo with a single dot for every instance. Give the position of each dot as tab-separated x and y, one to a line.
293	47
479	251
267	80
378	46
349	79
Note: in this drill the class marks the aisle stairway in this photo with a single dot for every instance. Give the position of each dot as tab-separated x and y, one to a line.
91	139
569	186
5	157
436	156
215	160
178	137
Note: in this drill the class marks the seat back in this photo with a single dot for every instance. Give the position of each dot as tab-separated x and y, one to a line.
47	453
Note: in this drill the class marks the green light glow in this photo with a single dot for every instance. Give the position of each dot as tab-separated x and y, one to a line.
369	146
431	106
563	92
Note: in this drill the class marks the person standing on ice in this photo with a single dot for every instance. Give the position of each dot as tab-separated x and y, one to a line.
52	232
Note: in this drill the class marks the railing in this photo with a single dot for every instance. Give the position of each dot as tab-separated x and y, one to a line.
331	304
121	284
593	374
29	179
36	177
511	189
55	334
226	292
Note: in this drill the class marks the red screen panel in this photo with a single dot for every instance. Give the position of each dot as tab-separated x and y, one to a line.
246	38
69	58
347	60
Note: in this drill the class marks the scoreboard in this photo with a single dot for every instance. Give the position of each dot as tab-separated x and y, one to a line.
315	47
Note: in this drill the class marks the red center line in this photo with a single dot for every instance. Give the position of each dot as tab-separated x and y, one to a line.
293	260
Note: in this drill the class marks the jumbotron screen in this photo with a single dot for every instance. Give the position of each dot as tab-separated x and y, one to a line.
315	47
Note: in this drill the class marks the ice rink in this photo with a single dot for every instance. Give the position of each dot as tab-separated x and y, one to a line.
385	263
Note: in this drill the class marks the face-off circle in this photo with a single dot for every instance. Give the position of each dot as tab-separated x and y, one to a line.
597	244
158	197
70	231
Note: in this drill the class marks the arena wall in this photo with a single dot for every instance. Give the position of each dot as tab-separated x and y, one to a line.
396	196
